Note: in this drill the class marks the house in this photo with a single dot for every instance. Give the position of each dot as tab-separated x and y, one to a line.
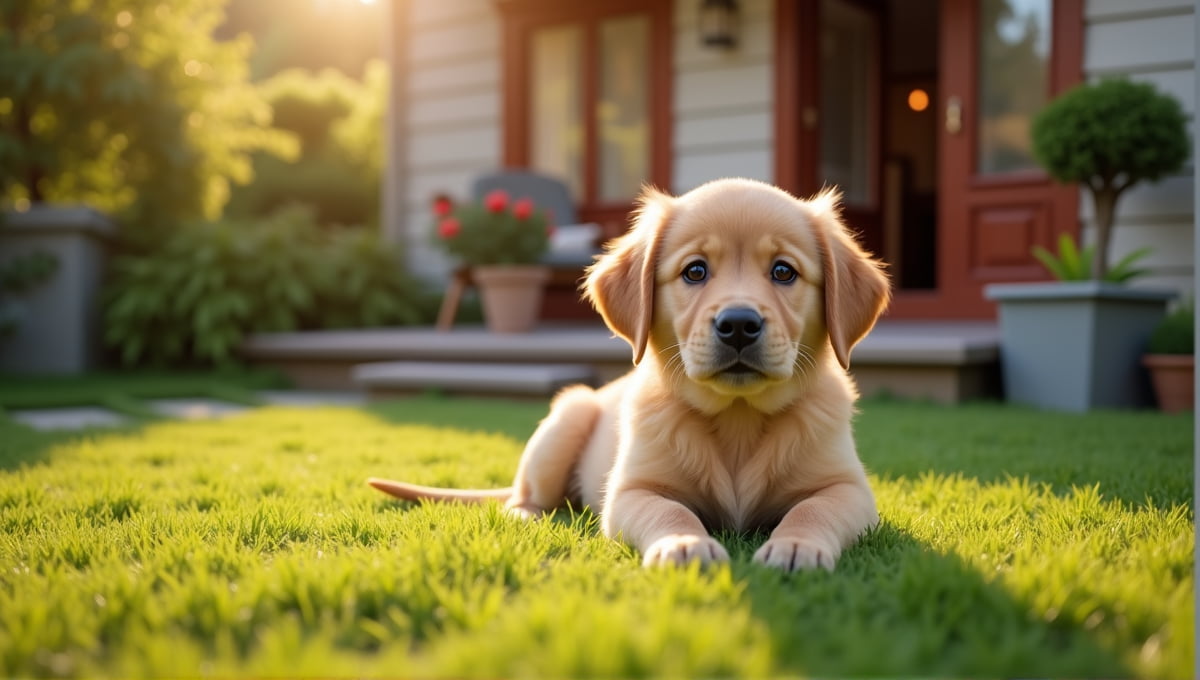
918	109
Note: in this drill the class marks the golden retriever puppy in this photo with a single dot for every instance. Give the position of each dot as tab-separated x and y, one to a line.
741	304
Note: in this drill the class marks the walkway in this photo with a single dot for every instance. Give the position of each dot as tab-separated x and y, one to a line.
198	408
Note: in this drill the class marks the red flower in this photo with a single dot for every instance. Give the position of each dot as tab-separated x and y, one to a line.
449	228
443	206
522	209
496	201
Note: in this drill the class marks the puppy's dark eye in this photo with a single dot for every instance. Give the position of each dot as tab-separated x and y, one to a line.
782	272
695	272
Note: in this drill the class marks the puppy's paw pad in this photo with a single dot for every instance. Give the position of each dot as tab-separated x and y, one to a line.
790	554
681	549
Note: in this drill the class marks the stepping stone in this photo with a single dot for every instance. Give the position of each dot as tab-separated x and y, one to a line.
304	398
194	409
68	418
470	378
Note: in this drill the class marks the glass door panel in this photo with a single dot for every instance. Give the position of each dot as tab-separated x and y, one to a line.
847	68
555	125
1013	72
622	108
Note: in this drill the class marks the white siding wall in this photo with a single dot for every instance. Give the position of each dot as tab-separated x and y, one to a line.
450	122
723	99
1151	41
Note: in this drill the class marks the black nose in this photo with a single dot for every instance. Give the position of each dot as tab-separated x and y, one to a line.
738	327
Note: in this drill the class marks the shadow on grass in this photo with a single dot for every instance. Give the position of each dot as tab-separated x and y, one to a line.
21	445
897	607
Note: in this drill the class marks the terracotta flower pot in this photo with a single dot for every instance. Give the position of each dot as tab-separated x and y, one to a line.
511	295
1174	384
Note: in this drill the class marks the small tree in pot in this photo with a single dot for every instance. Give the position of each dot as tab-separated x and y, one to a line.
1074	345
1109	136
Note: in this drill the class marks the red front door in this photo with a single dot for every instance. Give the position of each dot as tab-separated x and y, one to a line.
999	61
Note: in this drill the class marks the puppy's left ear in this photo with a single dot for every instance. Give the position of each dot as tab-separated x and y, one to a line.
856	289
620	285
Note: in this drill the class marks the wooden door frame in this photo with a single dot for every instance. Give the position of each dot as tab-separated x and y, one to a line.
796	157
952	299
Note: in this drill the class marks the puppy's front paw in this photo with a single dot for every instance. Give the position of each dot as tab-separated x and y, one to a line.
683	548
525	511
792	554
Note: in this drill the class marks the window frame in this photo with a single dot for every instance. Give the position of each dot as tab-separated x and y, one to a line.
520	19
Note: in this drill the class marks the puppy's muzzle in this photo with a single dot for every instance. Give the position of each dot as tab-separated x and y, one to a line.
738	327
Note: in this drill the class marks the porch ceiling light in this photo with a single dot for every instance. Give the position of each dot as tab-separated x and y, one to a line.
718	23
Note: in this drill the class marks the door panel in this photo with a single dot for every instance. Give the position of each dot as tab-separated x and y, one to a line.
993	203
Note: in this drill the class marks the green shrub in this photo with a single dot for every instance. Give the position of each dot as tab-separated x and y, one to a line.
1109	136
196	298
1175	334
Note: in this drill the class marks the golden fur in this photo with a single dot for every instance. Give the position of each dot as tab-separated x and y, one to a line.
709	433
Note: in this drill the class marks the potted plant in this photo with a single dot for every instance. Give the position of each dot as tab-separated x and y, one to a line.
1074	344
1170	358
500	243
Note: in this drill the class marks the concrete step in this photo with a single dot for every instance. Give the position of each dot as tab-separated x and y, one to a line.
944	361
389	378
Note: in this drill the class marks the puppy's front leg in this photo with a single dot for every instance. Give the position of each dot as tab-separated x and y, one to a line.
816	530
663	530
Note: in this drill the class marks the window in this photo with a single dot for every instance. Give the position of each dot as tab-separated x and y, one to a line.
587	93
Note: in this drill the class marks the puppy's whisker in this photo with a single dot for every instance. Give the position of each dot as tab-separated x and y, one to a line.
805	358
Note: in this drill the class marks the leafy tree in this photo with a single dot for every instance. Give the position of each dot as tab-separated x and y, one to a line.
1109	136
339	122
128	105
340	34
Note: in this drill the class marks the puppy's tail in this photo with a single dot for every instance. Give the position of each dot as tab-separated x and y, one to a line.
414	492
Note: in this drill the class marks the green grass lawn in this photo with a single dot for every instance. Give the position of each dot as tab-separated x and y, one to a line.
1013	543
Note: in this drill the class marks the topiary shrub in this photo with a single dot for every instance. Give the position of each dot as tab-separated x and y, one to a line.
1109	136
196	298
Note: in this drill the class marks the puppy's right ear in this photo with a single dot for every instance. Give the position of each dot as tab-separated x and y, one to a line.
620	285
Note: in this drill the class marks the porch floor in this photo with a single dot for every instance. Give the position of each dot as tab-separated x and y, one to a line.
947	362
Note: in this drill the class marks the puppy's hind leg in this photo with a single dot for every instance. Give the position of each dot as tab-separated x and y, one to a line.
544	475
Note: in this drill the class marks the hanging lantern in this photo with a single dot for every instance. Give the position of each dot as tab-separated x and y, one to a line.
718	23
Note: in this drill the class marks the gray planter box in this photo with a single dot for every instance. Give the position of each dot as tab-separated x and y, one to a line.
60	326
1076	346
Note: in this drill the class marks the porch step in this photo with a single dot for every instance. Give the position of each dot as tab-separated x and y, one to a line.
388	378
935	360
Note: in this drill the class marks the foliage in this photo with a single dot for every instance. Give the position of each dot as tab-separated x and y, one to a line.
492	231
212	283
1073	264
19	275
341	34
339	122
1109	136
129	106
1176	333
1013	544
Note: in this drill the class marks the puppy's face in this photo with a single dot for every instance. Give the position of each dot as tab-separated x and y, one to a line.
737	287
